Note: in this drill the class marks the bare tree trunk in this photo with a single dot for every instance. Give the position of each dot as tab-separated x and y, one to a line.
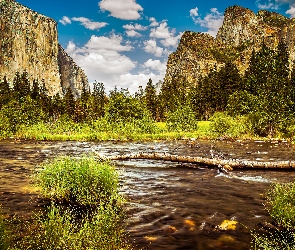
224	164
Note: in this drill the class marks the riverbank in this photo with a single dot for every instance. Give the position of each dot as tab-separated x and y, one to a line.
124	131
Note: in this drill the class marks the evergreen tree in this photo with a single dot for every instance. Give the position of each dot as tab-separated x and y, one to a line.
99	100
69	103
5	92
35	93
151	98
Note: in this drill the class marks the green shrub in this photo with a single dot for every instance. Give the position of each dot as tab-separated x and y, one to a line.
83	181
224	125
183	119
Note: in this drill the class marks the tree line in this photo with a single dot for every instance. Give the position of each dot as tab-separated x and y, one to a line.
265	94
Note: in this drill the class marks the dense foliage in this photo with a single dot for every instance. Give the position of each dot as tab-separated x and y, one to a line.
263	98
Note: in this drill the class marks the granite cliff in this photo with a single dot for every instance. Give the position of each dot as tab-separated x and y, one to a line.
29	41
241	32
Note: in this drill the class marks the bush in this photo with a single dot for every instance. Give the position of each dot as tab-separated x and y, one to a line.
183	119
225	125
83	181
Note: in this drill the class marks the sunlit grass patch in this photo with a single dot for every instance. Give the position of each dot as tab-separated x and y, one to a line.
83	181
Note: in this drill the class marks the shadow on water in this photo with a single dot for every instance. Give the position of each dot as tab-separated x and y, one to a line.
170	205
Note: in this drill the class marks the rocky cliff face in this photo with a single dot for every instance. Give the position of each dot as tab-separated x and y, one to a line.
29	41
241	32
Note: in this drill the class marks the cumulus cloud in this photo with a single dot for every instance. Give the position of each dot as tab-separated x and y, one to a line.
88	24
266	5
101	58
122	9
131	29
194	12
150	46
156	65
291	12
134	27
132	33
153	22
65	20
212	21
168	37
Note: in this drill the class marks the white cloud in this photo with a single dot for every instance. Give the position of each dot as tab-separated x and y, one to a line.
134	27
267	5
156	65
122	9
102	60
65	20
152	48
133	33
291	11
212	21
194	12
163	32
131	29
133	81
153	22
88	24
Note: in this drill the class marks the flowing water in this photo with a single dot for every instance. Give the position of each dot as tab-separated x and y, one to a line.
170	205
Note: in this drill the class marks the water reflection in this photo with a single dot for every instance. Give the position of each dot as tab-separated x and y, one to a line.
170	205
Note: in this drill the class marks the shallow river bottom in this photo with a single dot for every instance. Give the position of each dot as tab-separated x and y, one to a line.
170	205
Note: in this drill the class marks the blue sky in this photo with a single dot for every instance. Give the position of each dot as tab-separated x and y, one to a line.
123	43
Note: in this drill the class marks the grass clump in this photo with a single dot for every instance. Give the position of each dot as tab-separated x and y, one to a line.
82	181
281	207
61	229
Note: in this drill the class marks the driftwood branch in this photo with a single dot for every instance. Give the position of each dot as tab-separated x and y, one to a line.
220	163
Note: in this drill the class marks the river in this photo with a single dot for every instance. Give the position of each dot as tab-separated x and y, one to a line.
170	205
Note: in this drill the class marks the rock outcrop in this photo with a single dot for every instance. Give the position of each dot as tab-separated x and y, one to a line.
241	32
29	41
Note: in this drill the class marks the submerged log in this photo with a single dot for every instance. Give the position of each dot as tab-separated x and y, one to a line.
222	164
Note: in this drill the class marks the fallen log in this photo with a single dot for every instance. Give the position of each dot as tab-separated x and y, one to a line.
220	163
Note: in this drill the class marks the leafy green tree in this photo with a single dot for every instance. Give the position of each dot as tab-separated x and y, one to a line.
183	119
122	106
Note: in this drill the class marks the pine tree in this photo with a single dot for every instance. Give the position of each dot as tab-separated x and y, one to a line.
151	98
99	100
5	92
69	103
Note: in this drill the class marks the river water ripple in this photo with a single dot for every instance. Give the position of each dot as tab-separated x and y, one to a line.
170	205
